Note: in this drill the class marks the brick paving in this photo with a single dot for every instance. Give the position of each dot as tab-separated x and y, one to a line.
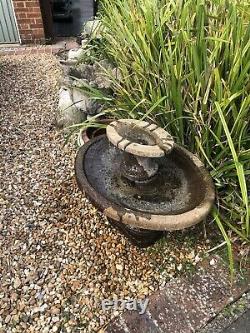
62	44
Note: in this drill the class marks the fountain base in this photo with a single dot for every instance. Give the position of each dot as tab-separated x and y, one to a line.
137	236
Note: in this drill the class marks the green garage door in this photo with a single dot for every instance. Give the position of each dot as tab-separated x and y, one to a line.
8	27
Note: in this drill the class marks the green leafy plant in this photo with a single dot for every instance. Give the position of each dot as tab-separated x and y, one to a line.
186	66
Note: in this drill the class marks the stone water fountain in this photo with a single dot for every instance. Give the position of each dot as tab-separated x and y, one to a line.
142	181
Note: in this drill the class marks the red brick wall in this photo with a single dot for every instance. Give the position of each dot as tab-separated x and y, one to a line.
29	21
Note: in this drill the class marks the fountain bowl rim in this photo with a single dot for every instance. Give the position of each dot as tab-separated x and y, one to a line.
163	141
145	220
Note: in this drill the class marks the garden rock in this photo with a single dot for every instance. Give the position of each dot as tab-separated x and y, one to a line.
66	81
80	100
93	74
75	54
84	43
83	102
68	113
74	103
84	71
93	28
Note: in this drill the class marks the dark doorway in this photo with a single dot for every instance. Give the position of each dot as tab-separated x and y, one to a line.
70	15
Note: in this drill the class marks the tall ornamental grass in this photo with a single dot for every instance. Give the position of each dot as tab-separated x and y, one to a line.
186	65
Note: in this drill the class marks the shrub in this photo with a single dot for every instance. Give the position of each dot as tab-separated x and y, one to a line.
186	66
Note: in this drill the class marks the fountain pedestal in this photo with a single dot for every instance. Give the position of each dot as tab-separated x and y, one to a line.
142	144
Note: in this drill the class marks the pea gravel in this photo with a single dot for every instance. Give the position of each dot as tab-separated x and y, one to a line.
59	257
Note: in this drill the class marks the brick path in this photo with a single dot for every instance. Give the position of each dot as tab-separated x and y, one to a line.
64	44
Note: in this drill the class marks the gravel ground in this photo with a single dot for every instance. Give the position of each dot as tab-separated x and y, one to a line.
59	257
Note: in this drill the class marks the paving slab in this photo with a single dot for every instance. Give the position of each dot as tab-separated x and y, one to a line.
241	325
133	322
186	304
228	316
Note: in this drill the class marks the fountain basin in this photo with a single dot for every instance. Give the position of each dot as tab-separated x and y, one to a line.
181	195
91	132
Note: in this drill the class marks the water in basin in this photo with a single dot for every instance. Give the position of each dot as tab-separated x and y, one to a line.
176	188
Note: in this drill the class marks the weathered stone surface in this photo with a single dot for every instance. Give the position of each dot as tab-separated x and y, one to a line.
116	327
80	100
133	322
93	28
93	74
241	325
193	307
66	81
84	43
158	141
74	105
75	54
195	210
166	313
186	305
68	113
84	102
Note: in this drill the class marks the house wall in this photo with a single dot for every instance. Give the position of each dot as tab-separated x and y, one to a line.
29	21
